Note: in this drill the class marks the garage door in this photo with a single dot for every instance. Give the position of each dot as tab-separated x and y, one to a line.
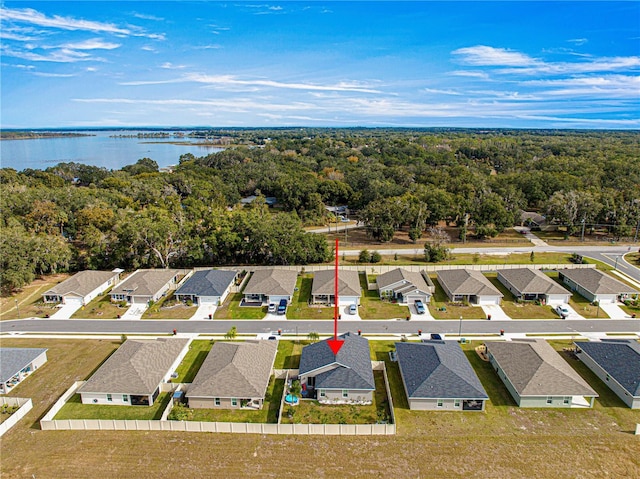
489	300
211	300
73	300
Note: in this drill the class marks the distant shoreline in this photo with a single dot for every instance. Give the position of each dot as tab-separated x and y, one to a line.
30	135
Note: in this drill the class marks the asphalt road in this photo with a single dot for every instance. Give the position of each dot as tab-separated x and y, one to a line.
113	326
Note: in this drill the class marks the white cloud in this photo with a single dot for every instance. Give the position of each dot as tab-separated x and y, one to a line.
63	55
471	74
171	66
93	44
482	55
224	81
34	17
442	92
53	75
145	16
578	41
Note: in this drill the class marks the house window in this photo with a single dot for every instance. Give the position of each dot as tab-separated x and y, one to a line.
345	393
607	377
440	403
109	398
549	399
125	398
322	393
566	401
234	401
456	403
217	401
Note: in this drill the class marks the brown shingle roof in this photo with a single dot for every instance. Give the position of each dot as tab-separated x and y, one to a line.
531	281
145	282
348	282
137	367
597	282
467	282
272	282
536	369
412	279
81	283
235	370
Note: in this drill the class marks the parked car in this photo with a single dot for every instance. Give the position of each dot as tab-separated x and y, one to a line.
562	311
420	309
282	307
271	308
436	336
353	309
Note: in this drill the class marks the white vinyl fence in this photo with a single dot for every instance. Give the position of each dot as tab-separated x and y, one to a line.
24	406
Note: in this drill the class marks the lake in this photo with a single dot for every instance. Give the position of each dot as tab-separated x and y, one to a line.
100	149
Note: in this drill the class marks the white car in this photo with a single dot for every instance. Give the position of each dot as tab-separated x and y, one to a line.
353	309
272	308
562	311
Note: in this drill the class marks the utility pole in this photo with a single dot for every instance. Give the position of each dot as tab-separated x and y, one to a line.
582	238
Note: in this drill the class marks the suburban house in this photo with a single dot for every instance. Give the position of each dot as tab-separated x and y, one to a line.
437	376
271	285
323	287
346	377
468	285
617	363
535	221
596	285
268	200
145	285
405	286
234	375
537	376
82	287
133	375
209	286
529	284
18	363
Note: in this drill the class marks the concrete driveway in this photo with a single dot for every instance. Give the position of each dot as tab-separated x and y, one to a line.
203	311
573	314
135	311
496	312
66	310
614	311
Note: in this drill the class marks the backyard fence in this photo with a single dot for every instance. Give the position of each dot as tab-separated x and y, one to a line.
430	268
48	423
24	405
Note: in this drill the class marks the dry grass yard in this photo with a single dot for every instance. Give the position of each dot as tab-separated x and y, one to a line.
503	442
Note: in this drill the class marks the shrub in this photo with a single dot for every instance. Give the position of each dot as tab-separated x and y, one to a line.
376	257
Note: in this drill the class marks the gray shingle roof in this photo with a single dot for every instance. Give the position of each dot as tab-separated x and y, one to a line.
536	369
348	282
467	282
81	283
145	282
597	282
353	364
137	367
620	359
438	369
235	370
210	282
13	360
531	281
413	280
272	282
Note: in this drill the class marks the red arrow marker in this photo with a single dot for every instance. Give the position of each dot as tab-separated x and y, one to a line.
335	344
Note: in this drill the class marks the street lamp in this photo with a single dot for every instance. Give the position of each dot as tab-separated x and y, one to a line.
582	237
616	265
460	328
17	307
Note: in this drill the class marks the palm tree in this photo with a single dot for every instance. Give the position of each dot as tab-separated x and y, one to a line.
313	336
231	334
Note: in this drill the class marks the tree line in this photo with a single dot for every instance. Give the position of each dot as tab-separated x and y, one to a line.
74	216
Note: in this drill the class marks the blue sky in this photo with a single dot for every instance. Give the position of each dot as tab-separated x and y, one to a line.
459	64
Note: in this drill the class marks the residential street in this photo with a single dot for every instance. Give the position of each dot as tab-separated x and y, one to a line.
303	327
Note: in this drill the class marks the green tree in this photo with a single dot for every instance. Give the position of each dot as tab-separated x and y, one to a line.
364	256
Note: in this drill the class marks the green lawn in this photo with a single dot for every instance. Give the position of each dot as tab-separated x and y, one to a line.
28	302
169	308
192	361
300	308
268	413
288	356
372	307
312	412
100	307
74	409
520	310
453	311
231	309
579	303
